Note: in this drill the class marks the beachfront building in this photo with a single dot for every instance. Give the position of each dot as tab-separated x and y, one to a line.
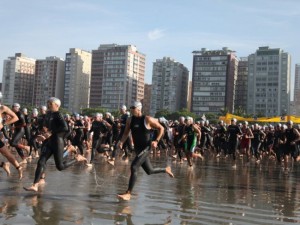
268	91
117	78
77	80
49	80
169	85
240	101
213	81
147	99
18	80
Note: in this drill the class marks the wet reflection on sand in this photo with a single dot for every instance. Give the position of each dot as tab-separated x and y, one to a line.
209	193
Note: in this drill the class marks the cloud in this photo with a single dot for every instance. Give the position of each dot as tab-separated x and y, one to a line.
156	34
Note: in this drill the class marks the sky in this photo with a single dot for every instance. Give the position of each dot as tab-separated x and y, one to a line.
158	28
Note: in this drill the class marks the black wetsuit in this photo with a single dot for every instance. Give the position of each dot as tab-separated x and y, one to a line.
290	137
142	143
256	142
233	132
27	128
99	128
18	133
179	131
54	145
126	145
34	131
78	138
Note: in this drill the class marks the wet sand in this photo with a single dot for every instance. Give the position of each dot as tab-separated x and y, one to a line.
209	193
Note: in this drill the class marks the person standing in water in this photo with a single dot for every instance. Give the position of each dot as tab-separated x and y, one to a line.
140	127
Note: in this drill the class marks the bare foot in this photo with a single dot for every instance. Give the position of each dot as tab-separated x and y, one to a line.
168	171
33	188
111	162
20	171
125	197
42	181
6	168
80	158
89	164
198	155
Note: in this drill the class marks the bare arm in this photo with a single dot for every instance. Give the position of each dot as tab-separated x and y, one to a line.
12	116
297	136
154	124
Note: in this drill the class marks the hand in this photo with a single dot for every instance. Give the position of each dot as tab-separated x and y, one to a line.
154	144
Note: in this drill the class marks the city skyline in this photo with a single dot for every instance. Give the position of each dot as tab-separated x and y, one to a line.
158	29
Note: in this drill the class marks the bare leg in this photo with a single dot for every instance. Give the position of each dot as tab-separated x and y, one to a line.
5	166
10	157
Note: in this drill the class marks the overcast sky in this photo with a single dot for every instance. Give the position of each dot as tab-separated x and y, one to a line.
158	28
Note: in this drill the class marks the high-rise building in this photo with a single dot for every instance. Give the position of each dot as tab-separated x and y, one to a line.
147	99
169	85
268	82
49	80
296	102
18	79
189	101
240	102
118	74
214	77
77	80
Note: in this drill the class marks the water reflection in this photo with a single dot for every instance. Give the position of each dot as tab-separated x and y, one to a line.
209	193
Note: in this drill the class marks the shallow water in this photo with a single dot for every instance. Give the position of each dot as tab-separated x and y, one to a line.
209	193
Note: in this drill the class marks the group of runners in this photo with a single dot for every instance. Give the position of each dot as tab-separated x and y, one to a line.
76	138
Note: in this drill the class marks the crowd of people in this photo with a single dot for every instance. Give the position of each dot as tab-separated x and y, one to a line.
76	138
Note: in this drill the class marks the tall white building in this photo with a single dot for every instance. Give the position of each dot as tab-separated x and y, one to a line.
118	74
269	82
49	80
18	80
169	86
77	80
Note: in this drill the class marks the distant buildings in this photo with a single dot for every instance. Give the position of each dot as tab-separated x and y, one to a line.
77	80
269	82
214	78
48	80
240	101
18	80
296	103
169	85
147	99
113	75
117	76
